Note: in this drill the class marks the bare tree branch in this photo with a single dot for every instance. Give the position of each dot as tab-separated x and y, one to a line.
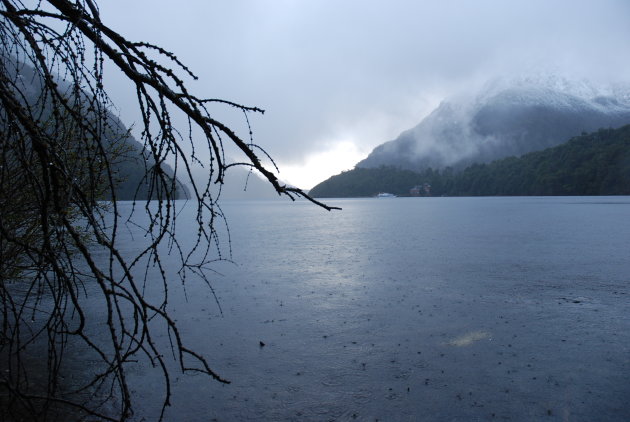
60	244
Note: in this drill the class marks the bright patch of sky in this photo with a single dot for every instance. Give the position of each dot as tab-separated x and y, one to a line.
340	157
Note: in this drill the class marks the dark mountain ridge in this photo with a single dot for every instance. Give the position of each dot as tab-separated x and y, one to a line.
590	164
130	161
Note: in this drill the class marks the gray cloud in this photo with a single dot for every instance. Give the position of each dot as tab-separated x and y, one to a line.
364	71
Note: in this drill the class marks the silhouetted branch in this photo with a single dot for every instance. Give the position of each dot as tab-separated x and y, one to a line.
60	244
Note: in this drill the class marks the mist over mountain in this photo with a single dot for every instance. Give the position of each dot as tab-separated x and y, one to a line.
593	164
131	162
239	184
132	167
505	118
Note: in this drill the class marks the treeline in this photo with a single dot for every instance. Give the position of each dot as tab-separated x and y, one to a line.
591	164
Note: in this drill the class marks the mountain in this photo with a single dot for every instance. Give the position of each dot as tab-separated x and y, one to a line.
131	164
128	157
593	164
505	118
238	184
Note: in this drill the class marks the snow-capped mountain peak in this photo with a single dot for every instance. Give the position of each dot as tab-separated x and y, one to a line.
506	117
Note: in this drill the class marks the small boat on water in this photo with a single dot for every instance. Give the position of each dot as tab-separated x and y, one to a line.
385	195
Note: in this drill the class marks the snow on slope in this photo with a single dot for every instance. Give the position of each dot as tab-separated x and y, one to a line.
506	117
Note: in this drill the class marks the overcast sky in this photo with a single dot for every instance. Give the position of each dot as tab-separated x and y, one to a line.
338	78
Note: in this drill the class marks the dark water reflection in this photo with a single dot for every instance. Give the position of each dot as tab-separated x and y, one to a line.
413	309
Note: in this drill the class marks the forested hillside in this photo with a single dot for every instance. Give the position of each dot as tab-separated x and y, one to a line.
131	163
591	164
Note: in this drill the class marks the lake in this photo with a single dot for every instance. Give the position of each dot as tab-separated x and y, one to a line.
454	309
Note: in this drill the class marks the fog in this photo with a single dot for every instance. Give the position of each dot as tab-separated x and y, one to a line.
506	117
339	78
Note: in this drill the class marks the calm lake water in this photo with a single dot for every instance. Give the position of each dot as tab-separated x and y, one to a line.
454	309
